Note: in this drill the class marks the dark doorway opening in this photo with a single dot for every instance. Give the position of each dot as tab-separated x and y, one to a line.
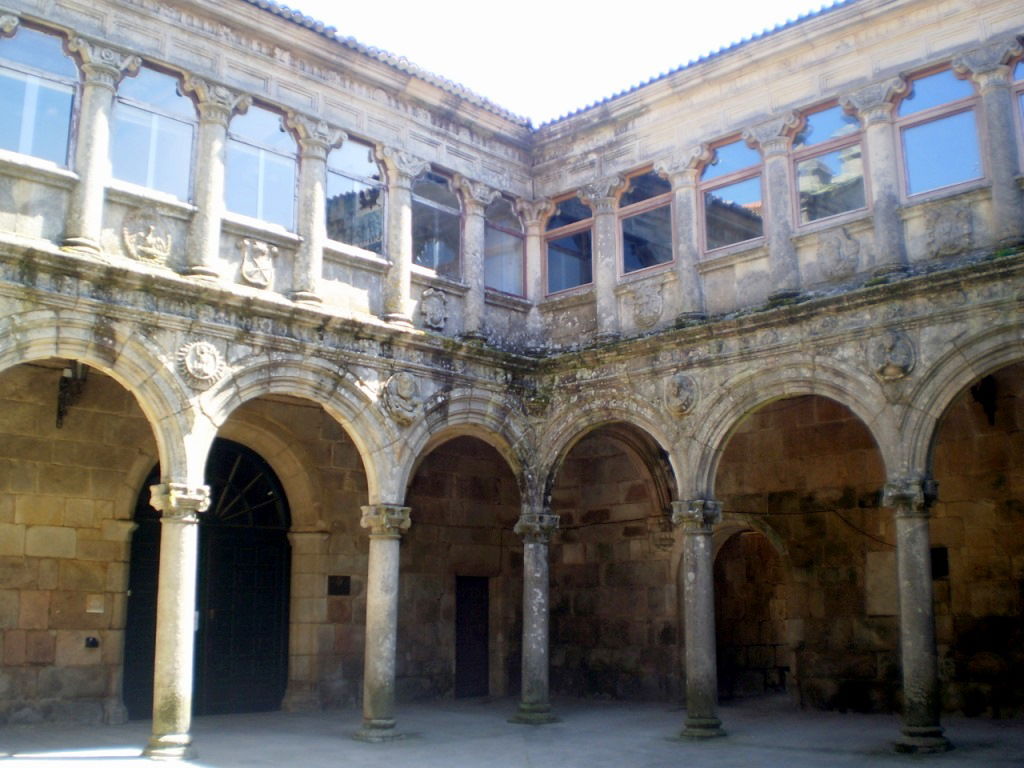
472	631
241	652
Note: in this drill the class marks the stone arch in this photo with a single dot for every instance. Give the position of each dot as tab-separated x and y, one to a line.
967	361
860	394
130	359
350	402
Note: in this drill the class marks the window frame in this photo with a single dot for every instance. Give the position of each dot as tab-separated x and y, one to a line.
521	235
566	230
380	184
931	115
193	123
623	212
725	180
415	199
802	154
1017	92
231	137
73	84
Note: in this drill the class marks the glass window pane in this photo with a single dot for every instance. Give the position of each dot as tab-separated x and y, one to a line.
35	117
39	51
647	239
732	213
933	90
941	152
500	213
436	239
173	159
433	187
130	144
729	158
157	90
503	261
644	187
12	104
278	185
354	158
831	183
264	129
355	213
1018	71
827	124
242	177
569	262
569	212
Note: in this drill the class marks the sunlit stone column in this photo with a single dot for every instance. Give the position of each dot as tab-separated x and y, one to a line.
910	498
874	105
697	518
103	69
402	169
316	139
682	172
534	213
475	198
386	522
774	137
602	196
179	506
217	104
989	68
536	529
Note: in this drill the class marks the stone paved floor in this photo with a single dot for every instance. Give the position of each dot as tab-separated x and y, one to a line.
475	734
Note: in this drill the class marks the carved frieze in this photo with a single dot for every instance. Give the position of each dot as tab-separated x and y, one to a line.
146	236
434	309
257	262
401	397
200	363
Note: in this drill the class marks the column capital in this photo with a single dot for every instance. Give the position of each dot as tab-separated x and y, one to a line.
910	495
217	103
534	211
101	64
989	64
600	194
475	195
696	515
874	102
536	526
402	167
386	520
316	137
682	167
179	501
772	136
8	24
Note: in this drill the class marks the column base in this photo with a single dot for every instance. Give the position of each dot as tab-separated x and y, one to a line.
198	270
170	746
81	244
478	336
781	298
376	731
922	741
398	318
702	728
533	715
606	337
306	297
686	319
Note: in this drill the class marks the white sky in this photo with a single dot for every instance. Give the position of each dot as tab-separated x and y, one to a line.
544	58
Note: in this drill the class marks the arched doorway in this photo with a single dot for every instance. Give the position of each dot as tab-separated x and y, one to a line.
241	656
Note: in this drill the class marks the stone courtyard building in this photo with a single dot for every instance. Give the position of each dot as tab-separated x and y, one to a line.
325	382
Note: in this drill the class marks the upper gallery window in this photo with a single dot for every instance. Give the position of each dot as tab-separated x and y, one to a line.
260	169
568	240
355	197
152	133
436	225
1018	78
503	248
645	209
37	91
937	127
829	164
731	186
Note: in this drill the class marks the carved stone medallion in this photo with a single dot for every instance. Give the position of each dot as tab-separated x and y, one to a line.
146	236
893	356
401	397
201	363
647	305
434	309
838	253
257	262
681	393
950	230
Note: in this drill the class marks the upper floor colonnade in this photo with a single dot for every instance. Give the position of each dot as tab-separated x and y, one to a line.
210	181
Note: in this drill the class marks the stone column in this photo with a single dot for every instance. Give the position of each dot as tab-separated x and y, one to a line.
602	196
103	69
910	498
874	105
682	171
773	138
217	104
402	168
386	523
475	198
316	139
179	506
536	529
534	213
989	68
697	517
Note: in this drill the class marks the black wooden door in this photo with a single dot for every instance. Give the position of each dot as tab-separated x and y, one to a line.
472	653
